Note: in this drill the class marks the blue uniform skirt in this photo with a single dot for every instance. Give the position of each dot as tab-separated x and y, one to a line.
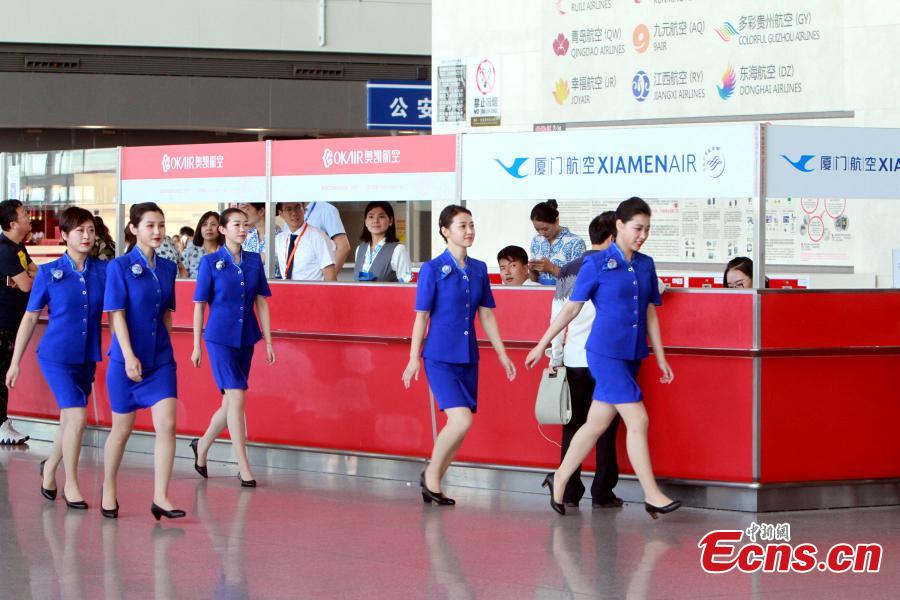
230	366
126	396
616	379
454	385
70	384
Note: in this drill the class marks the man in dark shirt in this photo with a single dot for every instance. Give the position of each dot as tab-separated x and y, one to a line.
16	275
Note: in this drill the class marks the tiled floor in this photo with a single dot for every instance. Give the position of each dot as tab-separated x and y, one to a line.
311	535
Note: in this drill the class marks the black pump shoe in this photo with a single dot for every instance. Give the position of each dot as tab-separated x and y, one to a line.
159	512
246	482
48	494
437	497
557	506
79	504
202	470
109	513
655	511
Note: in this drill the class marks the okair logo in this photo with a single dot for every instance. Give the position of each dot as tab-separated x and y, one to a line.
515	167
714	162
728	82
327	158
726	31
561	91
166	163
802	163
560	45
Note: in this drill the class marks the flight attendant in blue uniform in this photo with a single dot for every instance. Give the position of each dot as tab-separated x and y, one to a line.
232	282
451	290
71	287
140	298
622	284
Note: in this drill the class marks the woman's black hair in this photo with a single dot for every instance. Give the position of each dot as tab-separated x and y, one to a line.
101	229
188	231
742	264
630	208
391	234
227	214
545	212
446	217
198	233
73	217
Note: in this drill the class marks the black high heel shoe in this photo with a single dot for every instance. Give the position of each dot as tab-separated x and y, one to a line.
109	513
437	497
557	506
202	470
246	482
48	494
159	512
78	504
655	511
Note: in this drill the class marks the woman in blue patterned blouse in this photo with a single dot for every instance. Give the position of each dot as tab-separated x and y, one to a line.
553	246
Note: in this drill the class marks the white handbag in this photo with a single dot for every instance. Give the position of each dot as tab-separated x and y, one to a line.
554	403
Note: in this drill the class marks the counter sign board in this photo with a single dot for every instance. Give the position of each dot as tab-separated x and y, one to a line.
399	105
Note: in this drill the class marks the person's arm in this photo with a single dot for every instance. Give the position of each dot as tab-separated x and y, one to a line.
265	323
199	311
341	250
656	342
415	347
132	362
489	322
23	281
401	265
557	344
328	273
566	314
23	336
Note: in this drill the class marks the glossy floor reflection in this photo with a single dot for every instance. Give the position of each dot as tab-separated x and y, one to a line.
311	535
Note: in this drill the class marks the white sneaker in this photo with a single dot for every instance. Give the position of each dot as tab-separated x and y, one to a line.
9	435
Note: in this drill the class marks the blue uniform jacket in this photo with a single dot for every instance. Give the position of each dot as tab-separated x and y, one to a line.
75	302
231	290
145	296
452	297
620	292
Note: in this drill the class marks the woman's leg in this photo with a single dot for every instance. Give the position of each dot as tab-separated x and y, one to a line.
163	451
73	430
599	417
112	455
216	426
237	428
637	422
55	456
459	420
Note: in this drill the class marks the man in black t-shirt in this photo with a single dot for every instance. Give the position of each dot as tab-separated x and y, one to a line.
16	275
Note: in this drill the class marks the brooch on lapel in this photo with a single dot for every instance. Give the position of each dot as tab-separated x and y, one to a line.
445	270
57	274
136	270
610	265
220	265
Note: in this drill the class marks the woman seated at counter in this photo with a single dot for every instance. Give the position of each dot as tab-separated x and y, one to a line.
553	246
207	240
739	274
381	257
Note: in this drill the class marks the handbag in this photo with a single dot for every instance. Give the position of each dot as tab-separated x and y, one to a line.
554	402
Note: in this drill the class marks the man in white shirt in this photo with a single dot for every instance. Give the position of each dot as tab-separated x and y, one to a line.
327	218
302	250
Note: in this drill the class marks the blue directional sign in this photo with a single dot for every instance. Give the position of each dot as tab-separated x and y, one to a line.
399	104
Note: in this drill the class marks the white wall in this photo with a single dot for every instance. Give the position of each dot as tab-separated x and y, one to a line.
367	26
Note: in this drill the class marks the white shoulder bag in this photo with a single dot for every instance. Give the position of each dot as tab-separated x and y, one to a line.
554	404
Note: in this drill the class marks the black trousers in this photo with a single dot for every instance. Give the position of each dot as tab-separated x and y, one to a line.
7	343
581	386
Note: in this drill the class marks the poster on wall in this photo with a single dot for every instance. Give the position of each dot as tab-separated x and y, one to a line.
484	91
450	92
612	60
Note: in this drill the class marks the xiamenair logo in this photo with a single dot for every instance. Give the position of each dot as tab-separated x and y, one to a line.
802	163
332	158
714	162
515	169
191	162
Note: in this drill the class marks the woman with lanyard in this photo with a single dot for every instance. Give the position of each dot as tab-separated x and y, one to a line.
553	246
140	298
623	287
71	287
451	290
232	282
207	240
381	256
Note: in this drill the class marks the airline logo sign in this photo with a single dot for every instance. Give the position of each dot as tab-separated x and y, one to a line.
362	156
240	159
